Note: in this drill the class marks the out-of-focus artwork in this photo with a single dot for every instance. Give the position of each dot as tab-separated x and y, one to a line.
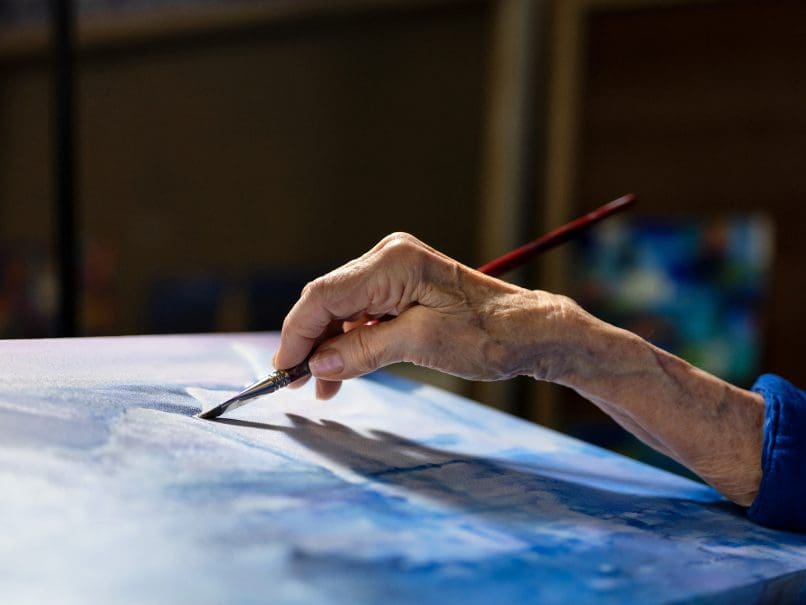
113	492
29	289
693	287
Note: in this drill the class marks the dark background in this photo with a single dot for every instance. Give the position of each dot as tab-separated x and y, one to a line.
228	152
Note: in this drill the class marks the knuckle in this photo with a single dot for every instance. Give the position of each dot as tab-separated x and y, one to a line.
368	356
287	320
398	236
313	288
563	306
307	290
402	251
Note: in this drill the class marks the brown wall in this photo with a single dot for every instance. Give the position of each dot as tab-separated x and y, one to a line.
283	145
339	129
701	109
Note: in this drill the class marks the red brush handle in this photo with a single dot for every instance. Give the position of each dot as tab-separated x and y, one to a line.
520	256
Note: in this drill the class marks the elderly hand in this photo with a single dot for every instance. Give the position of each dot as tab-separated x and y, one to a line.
446	316
454	319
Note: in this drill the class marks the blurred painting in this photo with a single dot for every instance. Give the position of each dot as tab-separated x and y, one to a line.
692	287
112	491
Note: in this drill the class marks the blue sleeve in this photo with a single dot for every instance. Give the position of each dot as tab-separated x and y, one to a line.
781	499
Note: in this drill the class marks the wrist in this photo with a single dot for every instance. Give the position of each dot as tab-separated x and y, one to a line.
587	350
557	329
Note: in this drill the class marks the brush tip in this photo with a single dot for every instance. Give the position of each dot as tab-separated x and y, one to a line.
210	414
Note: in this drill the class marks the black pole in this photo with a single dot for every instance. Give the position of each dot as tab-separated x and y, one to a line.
64	166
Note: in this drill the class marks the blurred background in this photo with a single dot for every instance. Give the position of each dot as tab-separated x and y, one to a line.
198	161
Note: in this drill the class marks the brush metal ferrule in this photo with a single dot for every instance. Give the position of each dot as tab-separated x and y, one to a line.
270	384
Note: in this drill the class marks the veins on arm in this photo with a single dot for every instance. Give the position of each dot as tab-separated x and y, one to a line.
710	426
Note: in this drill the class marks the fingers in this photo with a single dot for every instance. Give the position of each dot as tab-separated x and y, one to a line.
299	383
333	329
307	321
400	236
325	389
365	349
385	280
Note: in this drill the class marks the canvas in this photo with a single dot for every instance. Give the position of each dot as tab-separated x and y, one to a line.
394	492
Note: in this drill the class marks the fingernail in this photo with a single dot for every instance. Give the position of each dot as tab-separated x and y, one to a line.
326	363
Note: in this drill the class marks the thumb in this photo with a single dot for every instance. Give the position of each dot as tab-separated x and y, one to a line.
361	350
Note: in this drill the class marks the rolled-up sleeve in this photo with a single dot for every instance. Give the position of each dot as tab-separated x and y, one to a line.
781	499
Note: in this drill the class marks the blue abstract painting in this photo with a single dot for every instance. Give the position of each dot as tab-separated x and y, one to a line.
694	287
394	492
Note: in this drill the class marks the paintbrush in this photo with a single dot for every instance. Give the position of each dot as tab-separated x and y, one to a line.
508	262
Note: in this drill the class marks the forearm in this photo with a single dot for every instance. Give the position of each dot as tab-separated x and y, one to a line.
457	320
706	424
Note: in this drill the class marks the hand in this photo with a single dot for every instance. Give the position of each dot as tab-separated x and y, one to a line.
446	316
451	318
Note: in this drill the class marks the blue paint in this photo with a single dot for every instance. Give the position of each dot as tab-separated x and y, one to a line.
393	493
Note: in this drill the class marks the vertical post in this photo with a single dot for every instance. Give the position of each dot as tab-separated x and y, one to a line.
567	50
509	196
64	165
507	167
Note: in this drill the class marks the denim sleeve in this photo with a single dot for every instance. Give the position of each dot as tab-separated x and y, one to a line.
781	499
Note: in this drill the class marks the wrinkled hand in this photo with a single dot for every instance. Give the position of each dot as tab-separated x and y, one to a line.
451	318
447	317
